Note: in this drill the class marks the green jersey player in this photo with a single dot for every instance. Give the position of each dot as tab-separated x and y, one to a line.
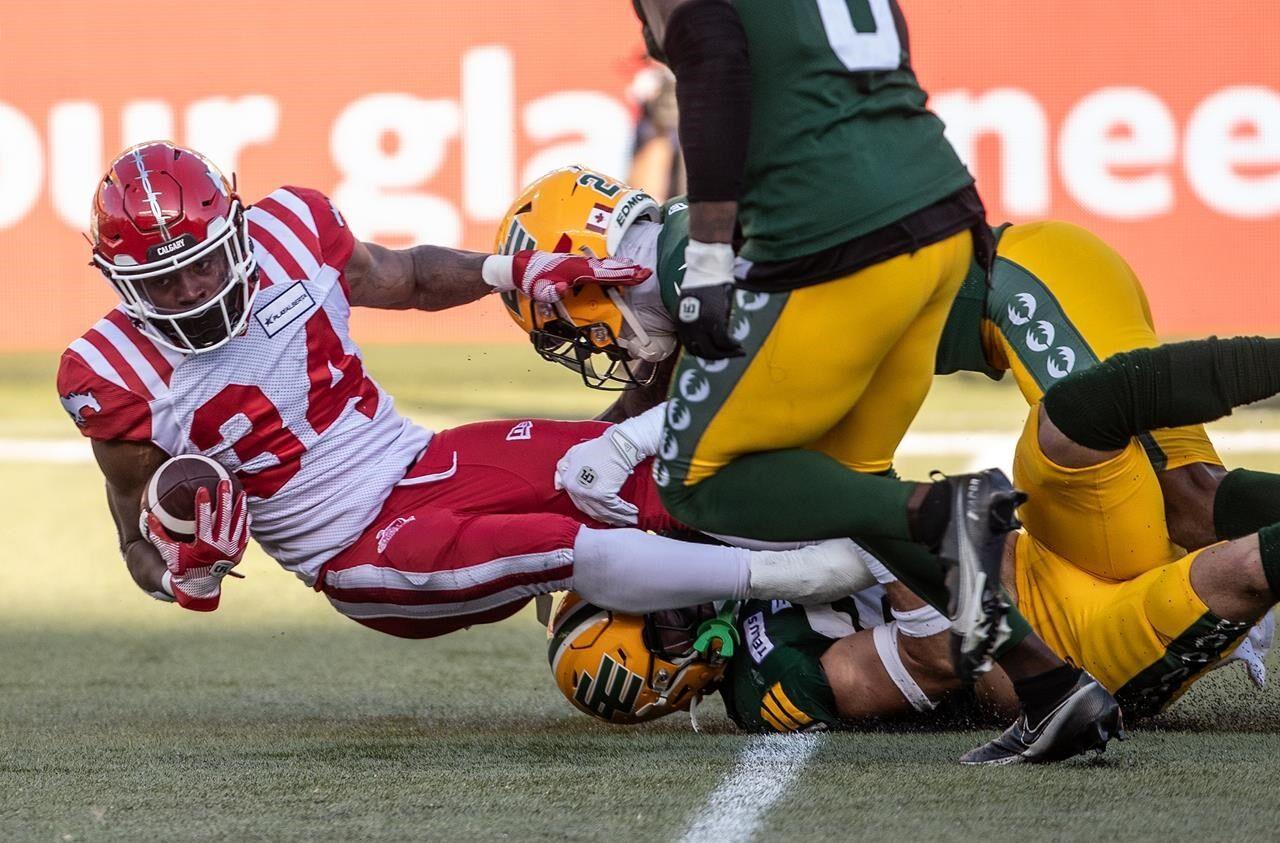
619	340
804	122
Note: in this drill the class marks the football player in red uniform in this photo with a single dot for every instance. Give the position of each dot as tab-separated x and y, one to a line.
231	340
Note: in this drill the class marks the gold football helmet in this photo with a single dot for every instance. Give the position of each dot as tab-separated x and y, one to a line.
593	330
627	669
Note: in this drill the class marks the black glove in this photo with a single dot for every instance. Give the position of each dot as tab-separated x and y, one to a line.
706	301
703	322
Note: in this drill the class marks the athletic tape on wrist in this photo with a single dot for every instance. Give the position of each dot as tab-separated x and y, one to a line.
498	272
886	641
922	622
707	265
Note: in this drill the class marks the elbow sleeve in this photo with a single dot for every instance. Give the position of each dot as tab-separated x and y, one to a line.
706	48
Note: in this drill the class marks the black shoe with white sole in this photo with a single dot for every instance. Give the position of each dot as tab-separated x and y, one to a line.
1086	718
982	515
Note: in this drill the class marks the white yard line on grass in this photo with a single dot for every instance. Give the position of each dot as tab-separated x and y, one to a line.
983	447
767	768
45	450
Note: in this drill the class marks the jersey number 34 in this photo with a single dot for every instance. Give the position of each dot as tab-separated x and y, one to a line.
267	433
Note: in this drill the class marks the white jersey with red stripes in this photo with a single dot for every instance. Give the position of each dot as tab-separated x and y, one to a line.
317	444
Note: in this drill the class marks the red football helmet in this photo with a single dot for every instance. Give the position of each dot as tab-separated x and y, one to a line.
159	208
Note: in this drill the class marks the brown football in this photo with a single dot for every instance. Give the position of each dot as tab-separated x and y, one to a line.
171	492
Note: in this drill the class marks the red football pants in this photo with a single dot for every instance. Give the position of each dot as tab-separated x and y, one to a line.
474	531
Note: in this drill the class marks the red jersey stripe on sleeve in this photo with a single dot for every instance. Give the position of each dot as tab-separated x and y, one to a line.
113	356
144	344
134	359
306	236
335	237
100	408
289	198
278	253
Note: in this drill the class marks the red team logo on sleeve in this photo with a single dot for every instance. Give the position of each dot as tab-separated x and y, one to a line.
100	384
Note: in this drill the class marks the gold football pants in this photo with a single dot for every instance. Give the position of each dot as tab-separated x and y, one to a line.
1062	299
1098	578
840	367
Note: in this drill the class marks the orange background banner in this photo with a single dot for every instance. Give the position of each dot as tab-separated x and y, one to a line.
1154	123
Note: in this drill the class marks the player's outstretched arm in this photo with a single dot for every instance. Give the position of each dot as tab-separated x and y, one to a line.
438	278
420	278
893	669
127	466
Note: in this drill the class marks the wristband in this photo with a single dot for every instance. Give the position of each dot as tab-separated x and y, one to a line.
165	594
886	640
921	622
707	265
643	433
498	272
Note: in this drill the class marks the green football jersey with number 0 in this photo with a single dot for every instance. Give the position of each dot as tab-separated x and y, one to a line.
841	141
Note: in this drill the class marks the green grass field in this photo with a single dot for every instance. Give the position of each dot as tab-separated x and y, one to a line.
275	718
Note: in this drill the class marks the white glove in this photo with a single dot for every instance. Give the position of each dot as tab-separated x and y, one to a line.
593	472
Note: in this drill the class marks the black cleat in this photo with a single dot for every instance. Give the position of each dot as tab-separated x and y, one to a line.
982	514
1084	719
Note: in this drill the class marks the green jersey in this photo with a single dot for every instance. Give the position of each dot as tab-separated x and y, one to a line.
841	141
671	243
775	682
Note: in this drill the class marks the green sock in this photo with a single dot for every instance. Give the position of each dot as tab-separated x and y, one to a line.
1185	383
1269	550
793	495
1246	501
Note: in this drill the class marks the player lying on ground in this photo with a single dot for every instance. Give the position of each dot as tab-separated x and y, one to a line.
579	210
1095	571
1060	300
232	342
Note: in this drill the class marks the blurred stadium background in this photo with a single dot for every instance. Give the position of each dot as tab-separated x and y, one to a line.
1155	123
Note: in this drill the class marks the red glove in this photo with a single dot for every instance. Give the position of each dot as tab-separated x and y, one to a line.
547	276
196	568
